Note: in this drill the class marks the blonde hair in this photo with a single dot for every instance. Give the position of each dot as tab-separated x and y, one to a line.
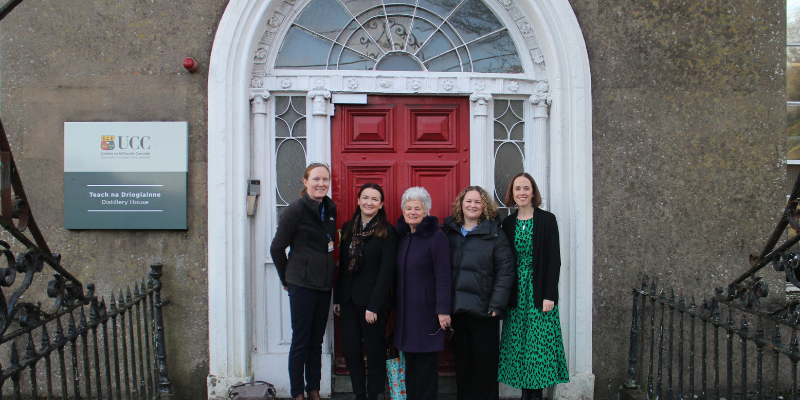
489	207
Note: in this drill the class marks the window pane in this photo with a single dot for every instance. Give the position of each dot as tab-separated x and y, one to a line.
495	54
440	7
302	50
793	73
473	20
399	62
507	163
793	134
446	63
291	163
326	17
437	45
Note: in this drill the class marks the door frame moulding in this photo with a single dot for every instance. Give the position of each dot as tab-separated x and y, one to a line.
238	75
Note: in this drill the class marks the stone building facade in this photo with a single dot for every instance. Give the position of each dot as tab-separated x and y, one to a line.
655	129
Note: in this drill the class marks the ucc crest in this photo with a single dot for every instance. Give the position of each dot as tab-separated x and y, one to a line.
107	142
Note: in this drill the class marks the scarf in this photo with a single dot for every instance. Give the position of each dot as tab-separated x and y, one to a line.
359	235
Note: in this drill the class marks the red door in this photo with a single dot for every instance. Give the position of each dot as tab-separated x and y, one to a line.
400	142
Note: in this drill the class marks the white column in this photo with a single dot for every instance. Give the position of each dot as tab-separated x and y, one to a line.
481	167
540	101
319	126
261	162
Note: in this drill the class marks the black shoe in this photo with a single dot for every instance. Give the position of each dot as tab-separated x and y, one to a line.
536	394
526	394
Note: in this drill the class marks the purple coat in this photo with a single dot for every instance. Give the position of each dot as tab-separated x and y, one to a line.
423	286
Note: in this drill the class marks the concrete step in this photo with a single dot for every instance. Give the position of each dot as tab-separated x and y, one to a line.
341	384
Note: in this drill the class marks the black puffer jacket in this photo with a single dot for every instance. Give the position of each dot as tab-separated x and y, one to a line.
310	264
483	268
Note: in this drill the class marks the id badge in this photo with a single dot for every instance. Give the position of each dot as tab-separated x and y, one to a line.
330	246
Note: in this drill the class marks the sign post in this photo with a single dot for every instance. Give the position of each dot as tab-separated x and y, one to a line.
125	175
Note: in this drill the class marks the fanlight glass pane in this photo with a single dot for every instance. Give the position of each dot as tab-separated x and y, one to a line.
326	17
302	50
438	44
474	19
438	35
351	60
399	62
446	63
496	53
439	7
507	163
356	7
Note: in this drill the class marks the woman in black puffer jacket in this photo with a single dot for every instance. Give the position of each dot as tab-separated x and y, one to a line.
483	275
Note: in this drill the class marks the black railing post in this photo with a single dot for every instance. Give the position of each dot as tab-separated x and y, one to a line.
84	333
760	360
681	310
671	341
30	355
744	331
730	328
715	320
693	314
795	349
146	323
72	334
776	343
117	380
662	299
48	367
161	350
631	382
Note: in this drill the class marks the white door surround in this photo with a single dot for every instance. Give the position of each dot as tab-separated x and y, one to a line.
247	321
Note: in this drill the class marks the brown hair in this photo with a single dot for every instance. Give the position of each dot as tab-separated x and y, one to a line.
380	229
489	207
308	172
537	197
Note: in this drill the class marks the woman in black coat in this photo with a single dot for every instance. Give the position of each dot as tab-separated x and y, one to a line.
483	275
307	225
362	294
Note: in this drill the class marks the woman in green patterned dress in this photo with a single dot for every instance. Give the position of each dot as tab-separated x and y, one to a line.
531	348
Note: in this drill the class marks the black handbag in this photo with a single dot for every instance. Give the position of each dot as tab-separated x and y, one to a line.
258	390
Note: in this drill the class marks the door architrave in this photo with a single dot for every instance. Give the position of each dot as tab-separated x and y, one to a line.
237	115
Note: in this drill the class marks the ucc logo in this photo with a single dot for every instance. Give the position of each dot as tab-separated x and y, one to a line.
107	142
134	142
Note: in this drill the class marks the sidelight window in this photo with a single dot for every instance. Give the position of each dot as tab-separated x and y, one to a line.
290	148
509	148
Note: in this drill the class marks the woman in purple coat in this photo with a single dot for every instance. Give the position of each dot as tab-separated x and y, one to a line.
423	293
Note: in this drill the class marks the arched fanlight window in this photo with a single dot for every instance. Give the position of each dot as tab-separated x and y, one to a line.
399	35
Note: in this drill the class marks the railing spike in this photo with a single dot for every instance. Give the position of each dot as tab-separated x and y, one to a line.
136	290
113	307
776	338
45	339
82	321
14	356
128	297
644	283
682	300
30	350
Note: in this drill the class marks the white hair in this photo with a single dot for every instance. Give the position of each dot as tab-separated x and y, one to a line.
419	194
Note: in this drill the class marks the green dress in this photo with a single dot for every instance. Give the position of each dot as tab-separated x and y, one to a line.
531	348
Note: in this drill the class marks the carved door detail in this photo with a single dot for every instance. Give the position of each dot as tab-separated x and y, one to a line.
400	142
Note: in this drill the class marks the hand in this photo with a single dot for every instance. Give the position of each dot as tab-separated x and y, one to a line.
494	314
336	309
370	316
444	321
547	305
286	288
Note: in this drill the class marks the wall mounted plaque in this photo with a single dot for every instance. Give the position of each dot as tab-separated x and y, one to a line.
125	175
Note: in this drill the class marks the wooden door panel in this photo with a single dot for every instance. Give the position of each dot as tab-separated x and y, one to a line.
440	178
433	129
358	173
368	129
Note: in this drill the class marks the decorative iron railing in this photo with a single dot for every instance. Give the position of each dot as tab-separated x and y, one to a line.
118	352
683	372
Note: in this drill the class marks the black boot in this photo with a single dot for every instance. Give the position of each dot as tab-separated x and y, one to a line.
526	394
536	394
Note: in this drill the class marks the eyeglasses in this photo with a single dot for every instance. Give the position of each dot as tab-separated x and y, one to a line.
440	328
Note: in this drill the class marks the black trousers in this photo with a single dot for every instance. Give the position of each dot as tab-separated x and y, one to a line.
476	348
309	310
422	375
354	328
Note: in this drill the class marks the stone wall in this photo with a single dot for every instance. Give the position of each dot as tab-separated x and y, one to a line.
116	61
689	136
